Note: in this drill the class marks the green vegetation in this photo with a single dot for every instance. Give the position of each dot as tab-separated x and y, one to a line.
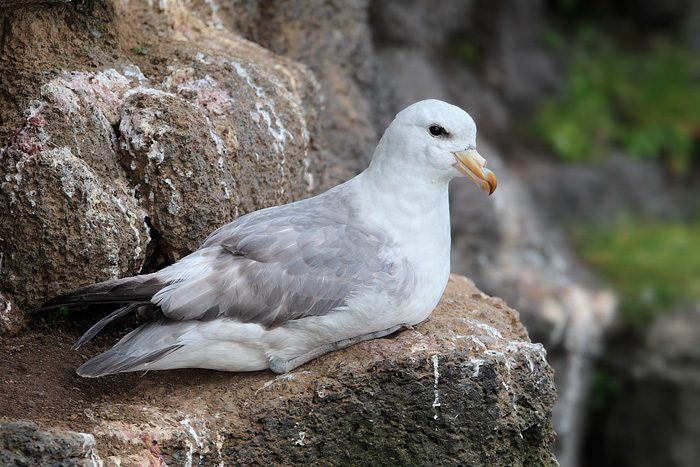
646	102
651	267
139	50
467	51
604	386
58	317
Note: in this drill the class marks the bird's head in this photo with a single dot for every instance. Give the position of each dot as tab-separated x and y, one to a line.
436	140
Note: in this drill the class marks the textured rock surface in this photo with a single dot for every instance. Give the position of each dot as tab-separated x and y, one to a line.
334	40
63	225
465	387
661	396
23	444
180	167
107	168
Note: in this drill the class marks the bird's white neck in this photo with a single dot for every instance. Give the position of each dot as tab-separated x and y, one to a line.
410	208
403	194
399	187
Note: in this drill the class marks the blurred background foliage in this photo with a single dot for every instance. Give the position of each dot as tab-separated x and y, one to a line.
646	102
652	267
633	90
631	87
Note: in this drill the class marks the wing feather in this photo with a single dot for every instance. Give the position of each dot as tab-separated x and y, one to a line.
280	264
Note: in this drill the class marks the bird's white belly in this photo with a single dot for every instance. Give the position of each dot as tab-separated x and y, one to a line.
364	315
221	344
220	355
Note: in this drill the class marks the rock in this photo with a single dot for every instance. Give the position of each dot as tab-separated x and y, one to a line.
465	387
601	193
334	40
180	167
661	395
63	226
487	56
100	162
23	444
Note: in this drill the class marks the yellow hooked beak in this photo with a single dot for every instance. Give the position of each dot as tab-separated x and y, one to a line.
471	164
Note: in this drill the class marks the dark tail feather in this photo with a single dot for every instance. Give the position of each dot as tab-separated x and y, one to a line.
135	292
137	289
111	362
97	327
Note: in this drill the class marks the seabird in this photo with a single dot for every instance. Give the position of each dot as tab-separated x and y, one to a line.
281	286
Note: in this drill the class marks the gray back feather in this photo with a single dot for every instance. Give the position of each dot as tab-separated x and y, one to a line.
283	263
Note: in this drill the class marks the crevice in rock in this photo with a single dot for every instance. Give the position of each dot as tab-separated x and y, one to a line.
123	154
117	135
156	258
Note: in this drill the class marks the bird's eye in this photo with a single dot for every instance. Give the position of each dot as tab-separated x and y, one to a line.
437	130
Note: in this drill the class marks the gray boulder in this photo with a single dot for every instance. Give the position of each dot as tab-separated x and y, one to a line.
24	444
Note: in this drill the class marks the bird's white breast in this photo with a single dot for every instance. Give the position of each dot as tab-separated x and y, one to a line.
419	227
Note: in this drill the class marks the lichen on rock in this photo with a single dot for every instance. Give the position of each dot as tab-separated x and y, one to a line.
102	161
64	225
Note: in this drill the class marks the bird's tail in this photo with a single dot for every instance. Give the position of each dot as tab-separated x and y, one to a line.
111	362
134	292
140	349
129	290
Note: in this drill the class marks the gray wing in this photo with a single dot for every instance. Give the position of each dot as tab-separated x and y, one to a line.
281	264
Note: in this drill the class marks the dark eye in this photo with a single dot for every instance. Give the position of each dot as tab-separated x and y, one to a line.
437	130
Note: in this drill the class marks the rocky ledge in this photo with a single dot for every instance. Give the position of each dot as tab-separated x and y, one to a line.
465	387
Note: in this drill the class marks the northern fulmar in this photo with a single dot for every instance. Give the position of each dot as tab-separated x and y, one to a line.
278	287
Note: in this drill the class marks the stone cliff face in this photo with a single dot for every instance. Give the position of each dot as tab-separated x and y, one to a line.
105	168
131	130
